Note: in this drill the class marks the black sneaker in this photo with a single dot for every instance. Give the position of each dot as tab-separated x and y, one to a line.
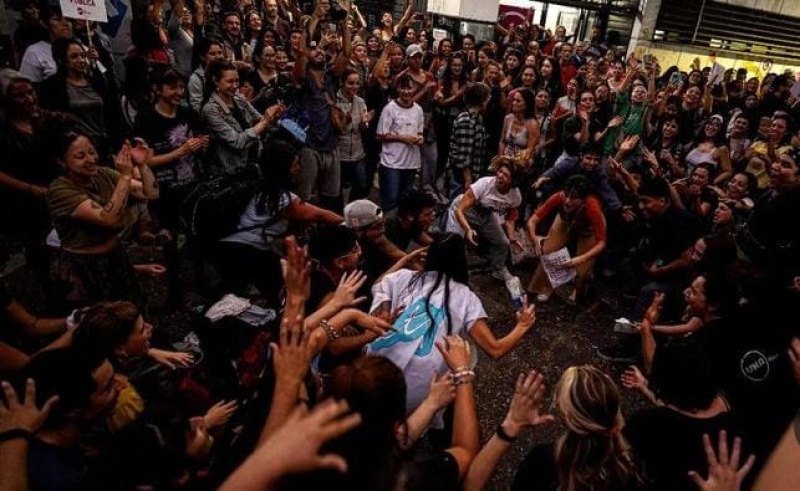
619	353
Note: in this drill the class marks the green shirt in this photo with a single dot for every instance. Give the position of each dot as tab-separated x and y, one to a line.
632	124
65	195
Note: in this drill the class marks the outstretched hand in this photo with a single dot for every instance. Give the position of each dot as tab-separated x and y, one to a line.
349	285
724	473
296	271
24	414
525	408
295	446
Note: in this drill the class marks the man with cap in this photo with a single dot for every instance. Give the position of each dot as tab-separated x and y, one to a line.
378	253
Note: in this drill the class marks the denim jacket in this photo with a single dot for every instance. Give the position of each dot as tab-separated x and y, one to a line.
232	148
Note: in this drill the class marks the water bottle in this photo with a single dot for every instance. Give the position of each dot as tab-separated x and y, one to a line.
514	286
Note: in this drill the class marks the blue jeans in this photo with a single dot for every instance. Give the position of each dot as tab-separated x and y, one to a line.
394	184
354	176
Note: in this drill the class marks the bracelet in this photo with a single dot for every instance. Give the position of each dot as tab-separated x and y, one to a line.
501	434
332	333
463	377
16	433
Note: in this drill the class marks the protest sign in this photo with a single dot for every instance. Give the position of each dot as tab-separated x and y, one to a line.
94	10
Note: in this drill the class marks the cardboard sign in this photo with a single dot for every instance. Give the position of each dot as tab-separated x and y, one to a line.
94	10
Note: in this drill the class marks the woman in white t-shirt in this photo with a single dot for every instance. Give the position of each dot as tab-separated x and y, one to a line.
435	302
487	212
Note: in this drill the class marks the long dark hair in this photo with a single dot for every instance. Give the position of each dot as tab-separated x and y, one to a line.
447	258
60	48
448	77
276	167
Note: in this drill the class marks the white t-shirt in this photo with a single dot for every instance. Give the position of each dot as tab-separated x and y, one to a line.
398	120
267	228
487	196
37	62
411	347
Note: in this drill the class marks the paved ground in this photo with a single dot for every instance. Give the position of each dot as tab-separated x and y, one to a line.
562	336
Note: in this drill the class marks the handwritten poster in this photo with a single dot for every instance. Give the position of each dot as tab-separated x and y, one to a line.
85	9
554	265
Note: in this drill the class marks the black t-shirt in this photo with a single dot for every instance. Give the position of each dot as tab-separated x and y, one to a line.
773	224
670	444
538	470
166	134
26	158
749	356
671	234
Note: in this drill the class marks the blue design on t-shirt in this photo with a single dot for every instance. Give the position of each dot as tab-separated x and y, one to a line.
413	323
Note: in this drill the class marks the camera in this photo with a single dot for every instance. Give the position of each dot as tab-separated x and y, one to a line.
337	13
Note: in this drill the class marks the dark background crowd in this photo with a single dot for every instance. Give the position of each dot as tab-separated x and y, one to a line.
312	194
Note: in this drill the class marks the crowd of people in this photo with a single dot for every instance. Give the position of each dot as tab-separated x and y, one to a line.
328	186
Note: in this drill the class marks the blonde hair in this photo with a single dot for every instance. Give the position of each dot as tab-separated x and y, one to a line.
592	454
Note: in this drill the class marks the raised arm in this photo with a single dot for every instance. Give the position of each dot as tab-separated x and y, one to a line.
524	411
466	441
405	18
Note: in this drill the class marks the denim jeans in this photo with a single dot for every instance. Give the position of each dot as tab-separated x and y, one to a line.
354	176
394	184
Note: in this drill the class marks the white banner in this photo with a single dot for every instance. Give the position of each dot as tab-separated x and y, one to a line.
94	10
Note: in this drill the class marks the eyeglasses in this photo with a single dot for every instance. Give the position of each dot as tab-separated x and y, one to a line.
355	250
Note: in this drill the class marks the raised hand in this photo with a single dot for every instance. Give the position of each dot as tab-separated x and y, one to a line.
654	310
123	161
525	408
349	285
292	355
23	415
724	473
296	271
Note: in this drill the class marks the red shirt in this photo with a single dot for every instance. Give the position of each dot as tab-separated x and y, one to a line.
586	220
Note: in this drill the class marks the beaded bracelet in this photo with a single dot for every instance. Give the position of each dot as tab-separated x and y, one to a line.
463	377
332	333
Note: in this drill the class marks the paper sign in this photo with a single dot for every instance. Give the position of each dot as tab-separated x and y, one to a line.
557	272
716	75
94	10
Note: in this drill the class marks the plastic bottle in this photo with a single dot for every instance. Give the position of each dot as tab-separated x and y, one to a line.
514	286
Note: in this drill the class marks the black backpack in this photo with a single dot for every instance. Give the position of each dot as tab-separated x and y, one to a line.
212	210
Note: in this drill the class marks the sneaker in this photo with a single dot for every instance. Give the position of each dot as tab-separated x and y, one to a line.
619	353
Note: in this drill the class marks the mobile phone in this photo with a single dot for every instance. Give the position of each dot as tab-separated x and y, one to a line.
764	122
675	78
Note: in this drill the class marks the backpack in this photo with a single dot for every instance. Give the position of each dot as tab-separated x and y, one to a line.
212	210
